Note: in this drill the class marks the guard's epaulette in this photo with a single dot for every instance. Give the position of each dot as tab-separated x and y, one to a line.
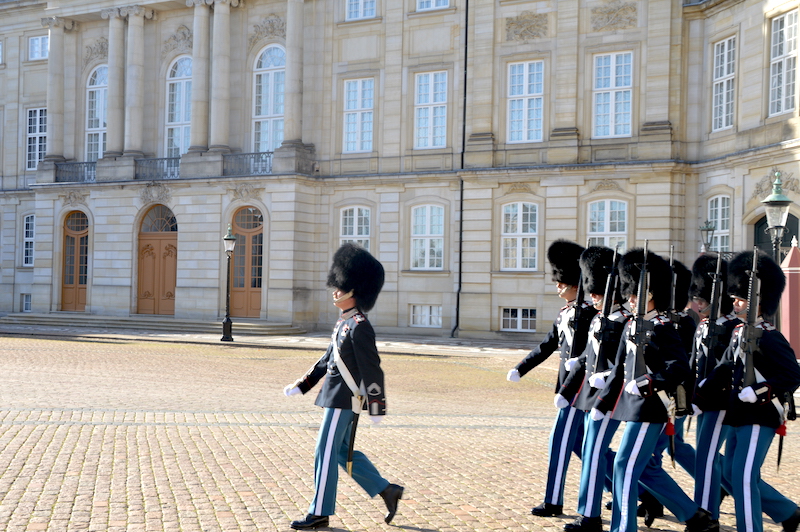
359	317
767	326
586	304
661	320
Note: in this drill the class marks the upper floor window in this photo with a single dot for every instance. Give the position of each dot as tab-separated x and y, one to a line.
179	107
613	80
359	100
719	214
28	239
430	110
724	84
608	224
269	83
525	101
36	137
357	9
1	51
783	63
520	236
38	47
355	226
427	237
96	108
422	5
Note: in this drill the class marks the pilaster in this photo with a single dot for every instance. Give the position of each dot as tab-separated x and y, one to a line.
55	86
200	64
134	78
115	113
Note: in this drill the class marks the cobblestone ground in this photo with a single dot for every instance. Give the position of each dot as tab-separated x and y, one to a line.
122	434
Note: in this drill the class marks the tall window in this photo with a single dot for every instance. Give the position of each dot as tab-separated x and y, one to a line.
426	315
431	4
783	63
427	238
430	110
358	96
613	79
724	84
37	137
96	109
719	213
608	224
519	239
357	9
355	226
1	51
269	83
38	47
179	107
525	101
28	239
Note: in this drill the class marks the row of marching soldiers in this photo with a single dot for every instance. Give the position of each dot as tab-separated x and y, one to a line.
632	350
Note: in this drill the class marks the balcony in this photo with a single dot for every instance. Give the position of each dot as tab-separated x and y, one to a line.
158	169
243	164
83	172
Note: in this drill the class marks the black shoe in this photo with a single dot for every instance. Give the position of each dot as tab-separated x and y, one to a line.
701	521
391	496
585	524
713	526
650	508
791	524
310	521
547	510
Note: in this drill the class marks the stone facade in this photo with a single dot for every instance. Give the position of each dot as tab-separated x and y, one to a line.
666	165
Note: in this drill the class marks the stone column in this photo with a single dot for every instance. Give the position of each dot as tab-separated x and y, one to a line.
293	91
220	76
200	60
55	87
116	82
134	79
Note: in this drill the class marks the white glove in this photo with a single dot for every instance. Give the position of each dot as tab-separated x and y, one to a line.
560	401
633	388
748	395
597	380
596	414
376	420
701	383
291	390
570	363
513	375
695	410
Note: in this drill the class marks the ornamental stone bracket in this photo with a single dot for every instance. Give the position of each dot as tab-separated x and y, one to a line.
74	197
763	188
155	192
271	27
97	51
614	15
181	42
245	192
56	22
606	184
526	26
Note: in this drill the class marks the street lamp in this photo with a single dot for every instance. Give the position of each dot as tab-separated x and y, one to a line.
229	241
707	234
777	209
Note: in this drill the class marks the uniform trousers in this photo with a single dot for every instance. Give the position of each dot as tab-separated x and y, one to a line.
565	438
333	442
598	464
710	436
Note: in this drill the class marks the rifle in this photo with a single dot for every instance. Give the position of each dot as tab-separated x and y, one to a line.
751	335
672	313
576	306
714	330
608	302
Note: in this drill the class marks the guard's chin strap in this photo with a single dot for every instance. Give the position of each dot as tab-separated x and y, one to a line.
344	297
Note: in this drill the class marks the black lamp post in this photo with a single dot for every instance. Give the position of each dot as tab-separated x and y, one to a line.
229	241
707	234
777	210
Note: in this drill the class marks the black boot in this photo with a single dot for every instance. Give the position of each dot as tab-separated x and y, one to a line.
791	524
699	522
585	524
391	496
547	510
650	508
310	522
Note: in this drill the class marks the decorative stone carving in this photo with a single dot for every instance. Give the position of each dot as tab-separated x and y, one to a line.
74	197
764	187
155	193
137	11
96	51
607	184
526	26
272	26
110	13
519	188
55	22
180	41
614	15
245	192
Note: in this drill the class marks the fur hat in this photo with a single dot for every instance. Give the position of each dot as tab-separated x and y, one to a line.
355	269
702	270
630	266
683	278
563	256
773	281
595	265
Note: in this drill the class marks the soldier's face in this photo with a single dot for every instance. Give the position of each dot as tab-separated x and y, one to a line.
739	306
567	291
597	301
703	306
343	304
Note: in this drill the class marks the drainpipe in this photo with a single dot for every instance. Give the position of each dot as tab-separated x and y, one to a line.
461	179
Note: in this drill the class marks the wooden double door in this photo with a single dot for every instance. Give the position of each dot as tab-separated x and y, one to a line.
75	268
158	262
247	263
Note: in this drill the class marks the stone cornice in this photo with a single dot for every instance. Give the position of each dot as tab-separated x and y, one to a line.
112	12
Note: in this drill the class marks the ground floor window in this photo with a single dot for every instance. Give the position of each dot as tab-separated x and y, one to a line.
426	315
518	319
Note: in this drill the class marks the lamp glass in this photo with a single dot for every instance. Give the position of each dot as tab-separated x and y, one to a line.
777	214
707	232
229	240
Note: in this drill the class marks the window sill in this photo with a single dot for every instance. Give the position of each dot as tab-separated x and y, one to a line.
360	21
439	273
432	11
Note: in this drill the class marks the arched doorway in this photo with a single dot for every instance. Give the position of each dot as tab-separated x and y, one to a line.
76	262
158	261
764	241
247	260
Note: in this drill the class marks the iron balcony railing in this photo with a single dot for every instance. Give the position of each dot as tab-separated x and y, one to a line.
237	164
84	172
156	169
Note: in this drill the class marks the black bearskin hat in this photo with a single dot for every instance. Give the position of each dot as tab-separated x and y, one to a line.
630	266
702	281
355	269
683	278
595	265
563	256
773	281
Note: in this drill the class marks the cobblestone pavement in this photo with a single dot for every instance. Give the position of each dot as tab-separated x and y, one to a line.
116	433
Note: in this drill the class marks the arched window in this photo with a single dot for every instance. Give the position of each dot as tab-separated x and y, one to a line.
519	236
96	109
427	237
355	226
269	81
719	214
179	107
159	219
608	224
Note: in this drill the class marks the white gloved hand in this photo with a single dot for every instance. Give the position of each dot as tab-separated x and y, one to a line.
560	401
290	390
376	420
701	383
596	415
570	363
748	395
695	410
597	380
513	375
633	388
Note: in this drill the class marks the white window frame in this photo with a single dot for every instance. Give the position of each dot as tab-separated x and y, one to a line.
605	230
427	237
612	100
719	213
269	83
514	319
359	101
25	303
36	139
525	102
430	110
178	109
783	63
724	85
360	9
519	239
28	239
426	316
38	47
427	5
355	225
1	51
96	114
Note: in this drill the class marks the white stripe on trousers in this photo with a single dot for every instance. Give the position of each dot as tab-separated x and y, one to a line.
710	459
326	459
626	489
563	454
752	447
598	446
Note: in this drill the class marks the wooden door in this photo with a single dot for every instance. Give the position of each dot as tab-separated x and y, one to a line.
76	262
158	262
247	263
